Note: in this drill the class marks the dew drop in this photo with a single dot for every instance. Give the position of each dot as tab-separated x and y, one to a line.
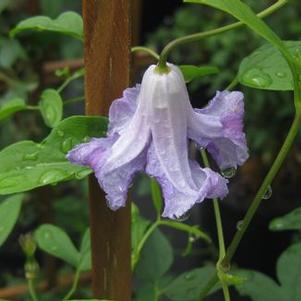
189	276
281	74
239	225
258	78
67	145
192	239
184	217
47	235
60	133
86	139
31	157
229	173
267	195
52	176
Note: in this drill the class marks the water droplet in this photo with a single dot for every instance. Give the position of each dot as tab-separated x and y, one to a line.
47	235
258	78
281	74
239	225
60	133
86	139
67	145
192	238
53	248
32	156
52	176
229	173
268	193
184	217
189	276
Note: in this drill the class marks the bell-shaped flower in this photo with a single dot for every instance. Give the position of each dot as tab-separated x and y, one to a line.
149	131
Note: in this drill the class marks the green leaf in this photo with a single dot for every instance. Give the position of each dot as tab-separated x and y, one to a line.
289	272
191	72
156	257
85	252
290	221
188	286
51	106
12	106
68	23
9	213
243	13
259	287
90	300
26	165
56	242
266	68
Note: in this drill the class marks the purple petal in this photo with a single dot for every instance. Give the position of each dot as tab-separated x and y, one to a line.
227	146
207	184
123	109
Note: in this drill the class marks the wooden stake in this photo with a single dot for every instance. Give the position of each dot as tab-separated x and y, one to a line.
107	62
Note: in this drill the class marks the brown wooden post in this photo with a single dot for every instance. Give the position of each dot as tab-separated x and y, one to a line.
107	62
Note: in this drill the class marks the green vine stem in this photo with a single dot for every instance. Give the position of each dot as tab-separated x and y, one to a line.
31	289
199	36
293	131
147	50
263	188
74	285
220	235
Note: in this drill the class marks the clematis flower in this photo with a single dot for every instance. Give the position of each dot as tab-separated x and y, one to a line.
149	131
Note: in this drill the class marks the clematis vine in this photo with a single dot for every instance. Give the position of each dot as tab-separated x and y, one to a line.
150	128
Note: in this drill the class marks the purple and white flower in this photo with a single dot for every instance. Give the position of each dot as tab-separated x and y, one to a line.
149	131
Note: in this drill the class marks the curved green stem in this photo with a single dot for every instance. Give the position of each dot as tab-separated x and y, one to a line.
31	289
74	285
145	49
199	36
142	242
220	234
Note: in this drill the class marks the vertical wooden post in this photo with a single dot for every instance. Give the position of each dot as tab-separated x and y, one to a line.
107	62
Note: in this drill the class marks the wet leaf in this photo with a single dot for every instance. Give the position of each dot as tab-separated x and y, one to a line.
26	165
266	68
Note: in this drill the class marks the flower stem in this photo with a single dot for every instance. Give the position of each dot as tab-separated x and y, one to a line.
31	289
199	36
220	234
142	242
74	285
145	49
